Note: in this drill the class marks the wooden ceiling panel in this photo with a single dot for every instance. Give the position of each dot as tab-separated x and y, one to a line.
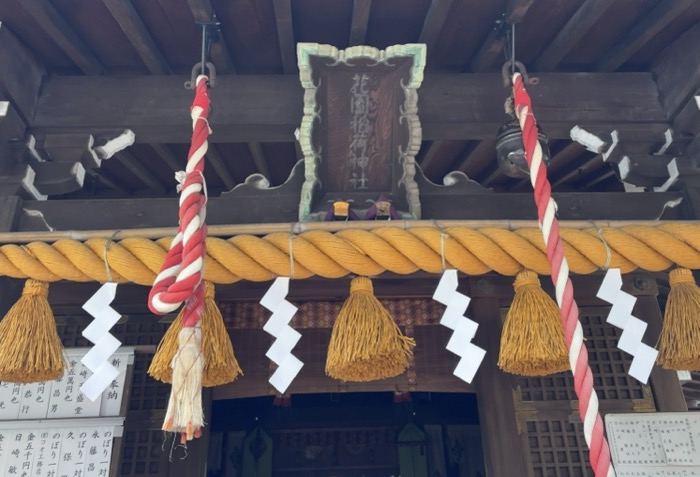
174	31
543	22
280	157
96	26
249	29
33	36
665	37
238	159
321	21
393	23
463	33
435	158
612	27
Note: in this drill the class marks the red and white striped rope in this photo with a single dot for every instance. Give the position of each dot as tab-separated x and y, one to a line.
180	276
599	452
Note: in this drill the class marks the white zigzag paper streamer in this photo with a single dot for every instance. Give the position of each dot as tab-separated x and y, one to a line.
288	365
620	316
464	328
105	344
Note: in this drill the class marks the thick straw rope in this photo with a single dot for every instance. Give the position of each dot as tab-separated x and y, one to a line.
473	251
180	276
599	452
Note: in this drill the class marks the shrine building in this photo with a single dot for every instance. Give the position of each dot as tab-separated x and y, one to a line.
350	238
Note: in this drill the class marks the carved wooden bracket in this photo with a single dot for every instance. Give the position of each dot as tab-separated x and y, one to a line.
360	130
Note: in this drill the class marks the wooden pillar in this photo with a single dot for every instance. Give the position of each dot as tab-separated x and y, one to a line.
503	450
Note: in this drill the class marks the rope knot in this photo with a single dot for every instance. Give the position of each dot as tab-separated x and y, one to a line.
209	290
680	275
35	288
526	277
361	284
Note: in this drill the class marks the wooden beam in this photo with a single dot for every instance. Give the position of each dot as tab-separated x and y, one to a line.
677	73
217	162
58	178
285	35
133	27
643	31
10	207
138	169
579	24
360	20
12	126
491	48
203	12
51	20
250	108
20	76
131	213
434	20
259	158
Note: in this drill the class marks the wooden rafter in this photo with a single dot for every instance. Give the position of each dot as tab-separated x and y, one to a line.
218	164
582	163
677	73
476	159
251	108
138	169
203	12
491	48
360	20
20	75
643	31
434	20
430	156
259	158
285	34
135	30
168	157
573	31
58	29
103	177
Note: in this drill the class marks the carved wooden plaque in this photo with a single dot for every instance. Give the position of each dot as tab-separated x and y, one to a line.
360	131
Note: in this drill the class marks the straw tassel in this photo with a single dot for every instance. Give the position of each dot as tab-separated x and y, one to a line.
532	340
366	344
31	348
220	364
185	414
679	343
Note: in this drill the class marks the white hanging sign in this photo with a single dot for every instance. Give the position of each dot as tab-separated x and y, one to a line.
464	328
288	365
97	359
620	316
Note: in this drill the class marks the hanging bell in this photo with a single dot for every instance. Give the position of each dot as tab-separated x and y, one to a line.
510	151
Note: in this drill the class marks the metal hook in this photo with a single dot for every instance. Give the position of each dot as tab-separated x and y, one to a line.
209	30
516	65
198	69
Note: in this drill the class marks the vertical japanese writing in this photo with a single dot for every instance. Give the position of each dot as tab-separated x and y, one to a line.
360	128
